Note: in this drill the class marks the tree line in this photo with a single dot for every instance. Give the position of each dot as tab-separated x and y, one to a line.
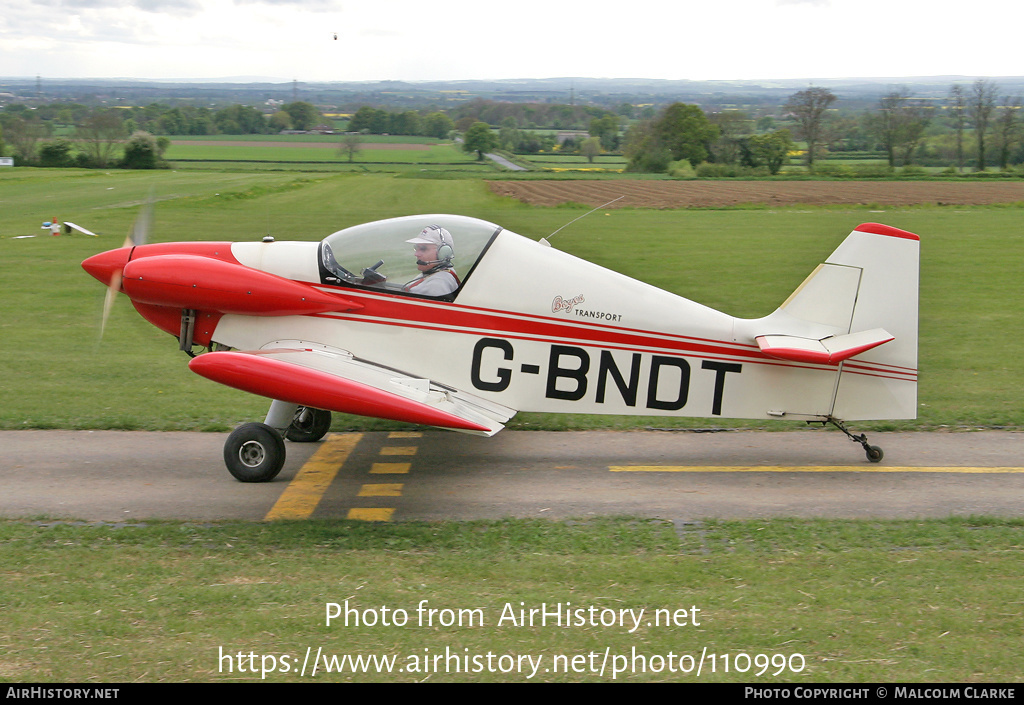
77	135
376	121
973	126
907	129
102	138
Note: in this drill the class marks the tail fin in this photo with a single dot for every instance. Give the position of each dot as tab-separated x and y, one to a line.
858	311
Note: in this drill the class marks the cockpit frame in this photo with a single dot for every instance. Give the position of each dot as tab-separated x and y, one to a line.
376	256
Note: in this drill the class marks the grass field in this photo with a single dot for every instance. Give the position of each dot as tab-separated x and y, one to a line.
377	153
783	602
55	373
316	152
880	601
320	154
311	138
555	162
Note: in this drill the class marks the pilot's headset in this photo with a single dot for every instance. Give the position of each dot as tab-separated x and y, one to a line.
446	250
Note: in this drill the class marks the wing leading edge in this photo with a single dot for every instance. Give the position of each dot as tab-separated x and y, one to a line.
320	377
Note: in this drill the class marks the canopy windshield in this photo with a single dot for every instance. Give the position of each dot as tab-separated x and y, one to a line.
378	255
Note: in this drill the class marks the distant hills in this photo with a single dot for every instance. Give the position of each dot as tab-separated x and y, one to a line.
605	92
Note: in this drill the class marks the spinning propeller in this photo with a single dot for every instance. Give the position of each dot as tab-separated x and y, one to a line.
138	235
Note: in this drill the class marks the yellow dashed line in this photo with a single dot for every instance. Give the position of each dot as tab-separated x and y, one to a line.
303	493
391	489
384	490
818	468
390	468
371	513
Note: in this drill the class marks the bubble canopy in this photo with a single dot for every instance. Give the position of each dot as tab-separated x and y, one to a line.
378	255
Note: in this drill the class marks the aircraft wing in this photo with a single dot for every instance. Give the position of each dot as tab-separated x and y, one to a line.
321	377
827	351
80	229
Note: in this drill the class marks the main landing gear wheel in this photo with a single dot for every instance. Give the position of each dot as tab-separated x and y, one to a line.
254	452
309	425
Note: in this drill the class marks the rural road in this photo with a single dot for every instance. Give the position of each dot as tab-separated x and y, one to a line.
679	476
498	159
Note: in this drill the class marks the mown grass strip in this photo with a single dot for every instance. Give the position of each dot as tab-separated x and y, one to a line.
876	601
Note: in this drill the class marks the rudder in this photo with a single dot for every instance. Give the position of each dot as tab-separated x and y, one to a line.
857	311
882	383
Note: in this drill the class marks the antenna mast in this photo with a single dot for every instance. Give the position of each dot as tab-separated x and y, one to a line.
547	240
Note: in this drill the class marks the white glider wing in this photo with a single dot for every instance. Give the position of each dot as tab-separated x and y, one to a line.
80	229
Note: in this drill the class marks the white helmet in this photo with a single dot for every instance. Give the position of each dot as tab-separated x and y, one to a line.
436	235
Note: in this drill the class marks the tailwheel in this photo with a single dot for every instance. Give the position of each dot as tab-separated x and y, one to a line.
254	452
309	425
873	453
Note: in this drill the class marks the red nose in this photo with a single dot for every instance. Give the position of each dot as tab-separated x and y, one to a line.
106	264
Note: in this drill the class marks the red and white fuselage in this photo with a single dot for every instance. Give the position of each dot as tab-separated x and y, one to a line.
531	328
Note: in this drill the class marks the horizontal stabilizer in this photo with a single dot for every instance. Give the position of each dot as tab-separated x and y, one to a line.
827	351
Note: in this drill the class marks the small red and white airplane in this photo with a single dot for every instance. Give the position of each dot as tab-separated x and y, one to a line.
460	324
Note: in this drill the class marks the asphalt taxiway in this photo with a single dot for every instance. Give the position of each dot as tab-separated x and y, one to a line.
380	476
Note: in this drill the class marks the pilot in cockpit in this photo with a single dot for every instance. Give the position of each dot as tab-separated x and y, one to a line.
434	250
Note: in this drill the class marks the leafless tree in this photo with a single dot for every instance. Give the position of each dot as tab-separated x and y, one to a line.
899	123
808	108
101	133
958	108
980	106
351	143
23	136
733	125
1008	128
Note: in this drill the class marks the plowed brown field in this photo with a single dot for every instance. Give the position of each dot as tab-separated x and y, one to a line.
697	194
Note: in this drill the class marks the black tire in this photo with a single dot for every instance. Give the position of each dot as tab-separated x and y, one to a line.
309	425
875	454
254	452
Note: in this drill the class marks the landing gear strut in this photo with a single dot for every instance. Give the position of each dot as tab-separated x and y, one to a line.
308	425
874	453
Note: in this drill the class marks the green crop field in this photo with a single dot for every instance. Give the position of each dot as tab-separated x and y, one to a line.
335	139
576	160
323	154
315	152
780	602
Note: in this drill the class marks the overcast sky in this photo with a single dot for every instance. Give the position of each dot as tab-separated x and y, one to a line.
462	39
